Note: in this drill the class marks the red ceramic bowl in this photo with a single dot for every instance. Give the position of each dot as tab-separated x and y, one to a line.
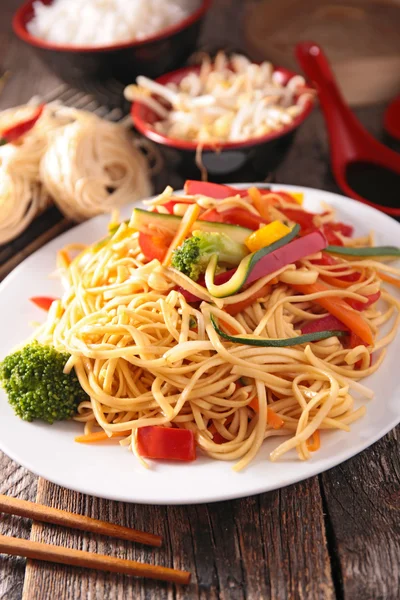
151	56
258	155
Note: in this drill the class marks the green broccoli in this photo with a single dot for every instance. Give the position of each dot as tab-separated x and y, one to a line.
36	386
193	256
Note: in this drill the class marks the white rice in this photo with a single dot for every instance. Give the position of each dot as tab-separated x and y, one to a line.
105	22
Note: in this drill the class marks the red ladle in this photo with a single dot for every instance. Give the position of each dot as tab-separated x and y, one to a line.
363	168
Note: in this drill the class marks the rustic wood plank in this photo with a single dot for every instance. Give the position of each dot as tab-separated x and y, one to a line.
362	502
269	546
20	483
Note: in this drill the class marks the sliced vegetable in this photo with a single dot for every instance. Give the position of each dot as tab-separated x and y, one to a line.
185	227
212	215
154	246
266	261
260	203
314	442
353	343
170	205
267	235
152	223
338	307
234	216
303	218
193	256
12	133
100	436
220	278
365	250
212	190
294	197
43	302
234	309
371	299
342	281
393	280
298	196
324	324
338	227
250	340
355	340
272	418
167	443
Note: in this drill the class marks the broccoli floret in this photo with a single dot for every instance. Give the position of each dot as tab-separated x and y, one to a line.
193	256
36	386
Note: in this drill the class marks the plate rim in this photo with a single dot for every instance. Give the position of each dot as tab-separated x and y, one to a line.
260	486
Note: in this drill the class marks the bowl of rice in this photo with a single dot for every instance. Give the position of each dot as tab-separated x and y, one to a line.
224	117
111	39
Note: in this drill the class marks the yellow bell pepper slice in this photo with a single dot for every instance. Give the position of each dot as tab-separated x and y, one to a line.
298	196
266	235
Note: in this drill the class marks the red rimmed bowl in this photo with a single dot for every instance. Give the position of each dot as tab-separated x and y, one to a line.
256	156
151	56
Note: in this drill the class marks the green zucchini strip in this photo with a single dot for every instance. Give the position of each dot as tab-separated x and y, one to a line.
364	251
276	343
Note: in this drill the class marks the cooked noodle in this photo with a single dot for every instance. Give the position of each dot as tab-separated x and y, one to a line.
145	356
82	163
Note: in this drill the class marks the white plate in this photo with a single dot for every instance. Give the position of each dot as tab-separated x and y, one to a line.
110	471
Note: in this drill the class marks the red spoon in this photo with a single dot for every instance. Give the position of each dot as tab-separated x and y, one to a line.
391	121
363	168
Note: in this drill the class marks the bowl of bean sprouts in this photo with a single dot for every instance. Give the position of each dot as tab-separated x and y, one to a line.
222	115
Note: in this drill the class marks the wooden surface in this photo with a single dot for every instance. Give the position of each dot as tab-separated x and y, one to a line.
336	536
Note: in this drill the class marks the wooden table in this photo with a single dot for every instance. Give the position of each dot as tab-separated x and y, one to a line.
332	536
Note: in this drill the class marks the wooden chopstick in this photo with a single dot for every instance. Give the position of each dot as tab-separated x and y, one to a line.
79	558
47	514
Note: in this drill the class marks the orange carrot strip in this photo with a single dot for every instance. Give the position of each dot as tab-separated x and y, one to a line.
314	442
389	279
185	227
339	309
272	418
231	330
340	283
99	436
260	203
234	309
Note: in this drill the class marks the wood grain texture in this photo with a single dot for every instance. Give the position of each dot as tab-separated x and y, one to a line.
269	546
14	481
362	503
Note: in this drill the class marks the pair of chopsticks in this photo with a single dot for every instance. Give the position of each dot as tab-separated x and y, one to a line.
79	558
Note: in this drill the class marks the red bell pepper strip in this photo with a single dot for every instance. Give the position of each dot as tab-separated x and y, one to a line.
234	216
154	246
343	228
287	254
212	190
338	307
324	324
303	218
371	299
168	443
328	260
43	302
216	190
12	133
172	203
355	341
212	215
